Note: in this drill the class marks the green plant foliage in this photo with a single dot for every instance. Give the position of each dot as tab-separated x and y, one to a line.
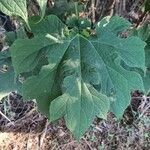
81	77
146	78
15	7
147	5
65	8
144	34
42	4
61	7
112	49
7	78
80	23
13	35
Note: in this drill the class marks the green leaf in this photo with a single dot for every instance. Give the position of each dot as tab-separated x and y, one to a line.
147	53
43	86
78	97
111	49
7	78
147	5
113	25
13	35
26	53
146	79
61	7
51	24
127	48
15	7
142	32
81	74
42	4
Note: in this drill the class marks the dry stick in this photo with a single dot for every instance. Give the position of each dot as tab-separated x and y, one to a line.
140	98
93	11
144	111
103	9
146	19
112	8
67	144
87	143
116	6
134	5
97	10
43	134
120	7
124	5
7	118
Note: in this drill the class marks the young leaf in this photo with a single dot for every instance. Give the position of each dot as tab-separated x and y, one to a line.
13	35
15	7
50	25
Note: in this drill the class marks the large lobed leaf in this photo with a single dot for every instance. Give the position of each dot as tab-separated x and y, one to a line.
81	75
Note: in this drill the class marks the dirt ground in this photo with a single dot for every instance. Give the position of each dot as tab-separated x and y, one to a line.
28	129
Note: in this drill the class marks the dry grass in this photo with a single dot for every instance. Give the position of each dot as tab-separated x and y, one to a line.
32	131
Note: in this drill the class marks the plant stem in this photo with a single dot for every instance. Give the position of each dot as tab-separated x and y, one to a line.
76	9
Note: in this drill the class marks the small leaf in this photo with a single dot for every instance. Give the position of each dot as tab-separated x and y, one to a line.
142	32
50	25
147	5
13	35
42	4
15	7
